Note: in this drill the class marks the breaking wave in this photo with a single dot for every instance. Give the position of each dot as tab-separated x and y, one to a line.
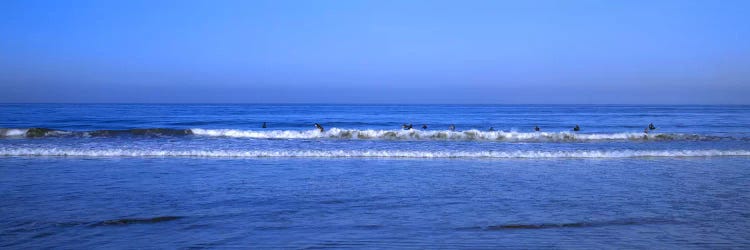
468	135
31	152
12	132
366	134
46	132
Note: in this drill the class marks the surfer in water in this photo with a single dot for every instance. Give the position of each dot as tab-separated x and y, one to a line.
320	128
492	128
406	127
264	125
424	126
536	128
651	126
576	128
452	127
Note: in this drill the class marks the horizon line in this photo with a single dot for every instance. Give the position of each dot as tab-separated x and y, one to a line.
361	104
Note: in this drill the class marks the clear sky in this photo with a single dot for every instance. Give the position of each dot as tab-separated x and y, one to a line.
350	51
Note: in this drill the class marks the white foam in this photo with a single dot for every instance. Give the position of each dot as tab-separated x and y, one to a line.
30	152
272	134
471	135
12	132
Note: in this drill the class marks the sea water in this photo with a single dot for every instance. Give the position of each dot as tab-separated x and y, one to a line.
155	176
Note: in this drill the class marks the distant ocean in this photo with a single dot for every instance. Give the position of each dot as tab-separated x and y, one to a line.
154	176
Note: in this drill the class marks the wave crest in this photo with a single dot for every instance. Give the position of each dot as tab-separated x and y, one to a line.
365	134
13	132
46	132
468	135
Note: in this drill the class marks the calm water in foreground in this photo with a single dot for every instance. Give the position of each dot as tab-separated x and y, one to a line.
164	176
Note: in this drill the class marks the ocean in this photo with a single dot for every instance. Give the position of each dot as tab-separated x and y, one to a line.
211	176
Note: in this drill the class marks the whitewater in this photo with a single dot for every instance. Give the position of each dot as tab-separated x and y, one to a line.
366	134
30	152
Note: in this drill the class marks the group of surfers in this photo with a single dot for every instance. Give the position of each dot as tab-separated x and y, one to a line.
452	127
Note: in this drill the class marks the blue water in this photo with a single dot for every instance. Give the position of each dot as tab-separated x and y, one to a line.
166	176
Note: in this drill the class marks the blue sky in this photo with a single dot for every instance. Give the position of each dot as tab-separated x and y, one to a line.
630	52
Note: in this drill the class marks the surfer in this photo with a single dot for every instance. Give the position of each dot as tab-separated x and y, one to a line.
651	126
319	127
424	126
492	129
576	128
452	127
536	128
264	125
407	127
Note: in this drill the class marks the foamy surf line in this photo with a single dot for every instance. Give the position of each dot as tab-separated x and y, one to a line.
58	152
363	134
468	135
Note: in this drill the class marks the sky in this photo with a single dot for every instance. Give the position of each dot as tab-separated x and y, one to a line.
356	51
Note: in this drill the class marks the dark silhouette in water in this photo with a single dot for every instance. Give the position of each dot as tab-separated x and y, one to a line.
128	221
576	128
452	127
651	126
319	127
37	132
264	125
536	128
406	127
424	126
492	129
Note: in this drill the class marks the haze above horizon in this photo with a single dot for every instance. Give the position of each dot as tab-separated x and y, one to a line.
375	52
